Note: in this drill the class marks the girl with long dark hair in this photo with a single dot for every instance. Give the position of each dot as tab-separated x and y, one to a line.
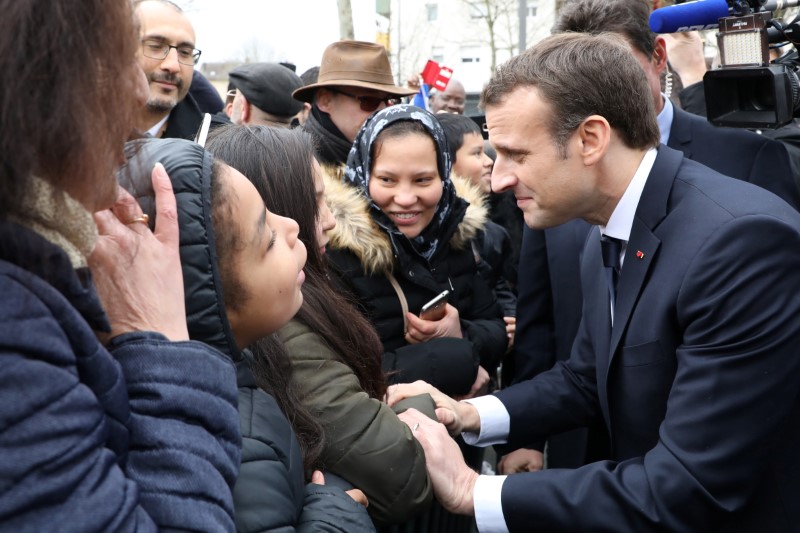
334	351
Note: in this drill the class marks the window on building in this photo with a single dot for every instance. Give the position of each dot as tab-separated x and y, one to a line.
470	54
437	54
433	11
533	7
478	10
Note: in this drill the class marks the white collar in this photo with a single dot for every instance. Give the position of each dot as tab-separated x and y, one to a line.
665	119
157	128
621	221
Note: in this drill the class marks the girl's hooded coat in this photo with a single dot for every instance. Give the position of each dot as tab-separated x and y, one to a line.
270	493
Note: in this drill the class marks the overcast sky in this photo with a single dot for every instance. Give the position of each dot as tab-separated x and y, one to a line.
281	30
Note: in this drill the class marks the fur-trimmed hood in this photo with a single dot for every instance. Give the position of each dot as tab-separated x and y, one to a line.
356	230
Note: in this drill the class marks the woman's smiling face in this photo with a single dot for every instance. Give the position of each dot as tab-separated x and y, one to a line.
405	182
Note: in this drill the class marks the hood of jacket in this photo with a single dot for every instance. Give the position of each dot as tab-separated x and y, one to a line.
189	168
356	230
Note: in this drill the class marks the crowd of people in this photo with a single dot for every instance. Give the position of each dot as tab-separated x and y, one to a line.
215	311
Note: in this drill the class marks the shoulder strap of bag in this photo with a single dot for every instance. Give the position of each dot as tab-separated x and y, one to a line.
401	295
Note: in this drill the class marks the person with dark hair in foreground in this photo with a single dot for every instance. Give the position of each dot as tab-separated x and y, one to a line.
335	357
687	347
139	431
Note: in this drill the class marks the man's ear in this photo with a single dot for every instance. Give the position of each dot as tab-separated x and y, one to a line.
324	99
594	135
660	54
246	111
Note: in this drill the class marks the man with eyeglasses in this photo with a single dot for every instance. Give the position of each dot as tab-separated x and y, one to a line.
167	55
355	80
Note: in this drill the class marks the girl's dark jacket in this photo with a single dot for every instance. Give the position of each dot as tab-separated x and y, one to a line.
361	254
270	493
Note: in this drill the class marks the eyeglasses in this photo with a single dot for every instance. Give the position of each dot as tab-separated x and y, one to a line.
157	49
367	103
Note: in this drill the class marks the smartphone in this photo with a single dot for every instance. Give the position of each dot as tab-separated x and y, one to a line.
434	309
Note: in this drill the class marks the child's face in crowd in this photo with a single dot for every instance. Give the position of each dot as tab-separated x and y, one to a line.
473	163
325	220
268	264
405	181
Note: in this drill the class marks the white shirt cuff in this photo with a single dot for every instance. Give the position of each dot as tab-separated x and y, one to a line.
495	422
486	498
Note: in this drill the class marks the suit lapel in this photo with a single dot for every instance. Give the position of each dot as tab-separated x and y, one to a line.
642	248
643	244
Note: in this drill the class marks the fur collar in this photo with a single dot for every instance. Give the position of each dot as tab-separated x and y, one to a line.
356	231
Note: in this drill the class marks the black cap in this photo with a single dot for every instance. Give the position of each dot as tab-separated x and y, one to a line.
269	87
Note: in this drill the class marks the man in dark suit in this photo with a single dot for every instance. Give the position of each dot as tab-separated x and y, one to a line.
686	349
546	325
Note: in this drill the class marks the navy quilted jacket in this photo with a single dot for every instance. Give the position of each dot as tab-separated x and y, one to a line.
141	436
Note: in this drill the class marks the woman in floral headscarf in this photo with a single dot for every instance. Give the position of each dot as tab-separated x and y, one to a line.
402	237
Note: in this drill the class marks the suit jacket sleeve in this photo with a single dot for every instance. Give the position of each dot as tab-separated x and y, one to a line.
773	170
731	400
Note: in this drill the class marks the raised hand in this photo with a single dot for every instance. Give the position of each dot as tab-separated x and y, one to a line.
137	272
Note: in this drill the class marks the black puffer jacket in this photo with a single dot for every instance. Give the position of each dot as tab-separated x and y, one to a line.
360	253
492	250
270	493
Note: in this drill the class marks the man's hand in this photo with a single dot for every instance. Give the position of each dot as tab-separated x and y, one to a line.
521	460
420	330
457	416
511	330
453	481
686	56
137	272
414	82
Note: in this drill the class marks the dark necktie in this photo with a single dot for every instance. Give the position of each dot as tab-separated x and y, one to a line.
611	249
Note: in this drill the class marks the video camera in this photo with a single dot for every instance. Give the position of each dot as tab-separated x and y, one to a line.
747	90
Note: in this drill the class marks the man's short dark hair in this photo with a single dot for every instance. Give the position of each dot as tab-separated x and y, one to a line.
629	18
456	127
581	75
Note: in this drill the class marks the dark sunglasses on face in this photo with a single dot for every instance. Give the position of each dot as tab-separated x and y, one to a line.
367	103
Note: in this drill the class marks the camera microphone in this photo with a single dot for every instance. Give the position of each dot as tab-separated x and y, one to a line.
696	15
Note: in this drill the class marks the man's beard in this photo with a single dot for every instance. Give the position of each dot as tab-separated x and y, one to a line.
159	104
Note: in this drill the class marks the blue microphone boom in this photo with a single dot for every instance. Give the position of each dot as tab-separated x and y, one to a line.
705	14
697	15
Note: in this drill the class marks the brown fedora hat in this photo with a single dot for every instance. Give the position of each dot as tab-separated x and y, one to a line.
354	64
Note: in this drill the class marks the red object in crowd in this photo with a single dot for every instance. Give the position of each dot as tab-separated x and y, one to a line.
436	76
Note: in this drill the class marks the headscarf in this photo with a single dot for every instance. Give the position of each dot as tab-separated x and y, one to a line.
359	163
